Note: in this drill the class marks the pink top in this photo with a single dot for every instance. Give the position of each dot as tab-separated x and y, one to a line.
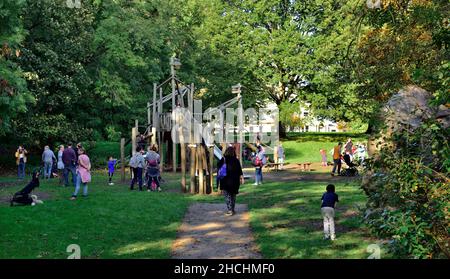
84	167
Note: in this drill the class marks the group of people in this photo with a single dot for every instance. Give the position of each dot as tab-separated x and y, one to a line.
147	164
350	153
70	160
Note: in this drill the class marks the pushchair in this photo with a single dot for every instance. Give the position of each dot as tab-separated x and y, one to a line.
351	170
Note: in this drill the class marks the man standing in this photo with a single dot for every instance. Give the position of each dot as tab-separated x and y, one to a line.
337	159
47	157
69	159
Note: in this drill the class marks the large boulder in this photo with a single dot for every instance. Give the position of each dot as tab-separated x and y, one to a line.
407	110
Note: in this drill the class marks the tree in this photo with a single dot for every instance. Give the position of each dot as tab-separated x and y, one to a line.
13	92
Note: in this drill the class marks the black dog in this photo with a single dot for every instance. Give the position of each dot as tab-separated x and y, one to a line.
23	197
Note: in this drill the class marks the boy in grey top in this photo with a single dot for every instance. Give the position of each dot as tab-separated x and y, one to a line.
47	157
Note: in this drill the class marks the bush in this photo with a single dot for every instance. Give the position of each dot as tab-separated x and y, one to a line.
408	193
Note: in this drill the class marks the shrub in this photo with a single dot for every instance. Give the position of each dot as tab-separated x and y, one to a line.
408	192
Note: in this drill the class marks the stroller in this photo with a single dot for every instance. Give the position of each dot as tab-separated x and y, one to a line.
351	170
23	197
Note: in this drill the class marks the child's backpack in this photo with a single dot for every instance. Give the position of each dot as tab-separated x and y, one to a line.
152	163
153	185
222	171
256	161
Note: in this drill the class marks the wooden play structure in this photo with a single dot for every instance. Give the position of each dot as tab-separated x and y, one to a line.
187	152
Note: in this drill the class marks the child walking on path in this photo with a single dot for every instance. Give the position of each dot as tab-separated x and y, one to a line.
111	166
329	200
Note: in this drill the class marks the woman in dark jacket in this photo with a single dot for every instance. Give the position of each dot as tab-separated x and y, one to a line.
234	178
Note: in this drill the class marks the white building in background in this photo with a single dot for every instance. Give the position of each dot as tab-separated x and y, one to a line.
312	123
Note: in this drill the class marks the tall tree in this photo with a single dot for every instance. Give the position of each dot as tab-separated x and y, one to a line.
13	92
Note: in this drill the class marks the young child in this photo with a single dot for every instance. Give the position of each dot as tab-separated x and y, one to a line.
323	152
111	166
329	200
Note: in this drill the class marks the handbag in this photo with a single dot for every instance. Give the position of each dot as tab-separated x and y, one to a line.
223	170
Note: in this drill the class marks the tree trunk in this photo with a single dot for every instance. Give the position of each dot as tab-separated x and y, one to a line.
282	129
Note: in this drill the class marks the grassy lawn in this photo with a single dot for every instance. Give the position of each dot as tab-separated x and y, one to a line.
114	222
305	147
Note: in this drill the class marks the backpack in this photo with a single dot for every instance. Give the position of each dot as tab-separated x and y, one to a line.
133	162
152	163
222	171
257	161
153	185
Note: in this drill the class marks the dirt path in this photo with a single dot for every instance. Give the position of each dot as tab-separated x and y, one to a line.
206	233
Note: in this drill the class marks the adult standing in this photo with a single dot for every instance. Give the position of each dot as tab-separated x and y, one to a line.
83	173
60	165
349	147
21	160
69	159
231	182
281	155
137	163
337	159
47	158
152	174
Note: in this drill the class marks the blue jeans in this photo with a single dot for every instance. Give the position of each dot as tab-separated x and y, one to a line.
47	169
71	169
21	170
77	187
336	163
258	175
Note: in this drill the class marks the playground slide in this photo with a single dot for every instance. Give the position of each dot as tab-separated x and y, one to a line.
217	152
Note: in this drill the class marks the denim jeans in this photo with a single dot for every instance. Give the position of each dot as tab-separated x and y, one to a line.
47	169
77	187
21	170
258	175
336	163
71	169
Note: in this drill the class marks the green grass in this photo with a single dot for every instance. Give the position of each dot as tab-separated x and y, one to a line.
116	223
305	147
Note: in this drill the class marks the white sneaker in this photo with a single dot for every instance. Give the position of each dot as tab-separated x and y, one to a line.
256	184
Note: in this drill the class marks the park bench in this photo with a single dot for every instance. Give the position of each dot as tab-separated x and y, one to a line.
305	166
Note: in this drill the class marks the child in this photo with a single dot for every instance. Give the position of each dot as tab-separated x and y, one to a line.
329	200
323	152
23	197
111	165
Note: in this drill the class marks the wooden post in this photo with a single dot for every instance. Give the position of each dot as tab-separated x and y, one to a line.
201	180
149	117
161	155
211	174
134	133
174	145
122	159
183	160
192	168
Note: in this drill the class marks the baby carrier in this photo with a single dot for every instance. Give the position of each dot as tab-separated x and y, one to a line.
23	197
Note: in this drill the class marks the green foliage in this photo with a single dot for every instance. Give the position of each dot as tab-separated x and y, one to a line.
14	95
409	194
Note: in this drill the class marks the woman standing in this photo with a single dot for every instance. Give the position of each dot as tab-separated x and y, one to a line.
152	174
83	173
60	165
231	182
21	160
